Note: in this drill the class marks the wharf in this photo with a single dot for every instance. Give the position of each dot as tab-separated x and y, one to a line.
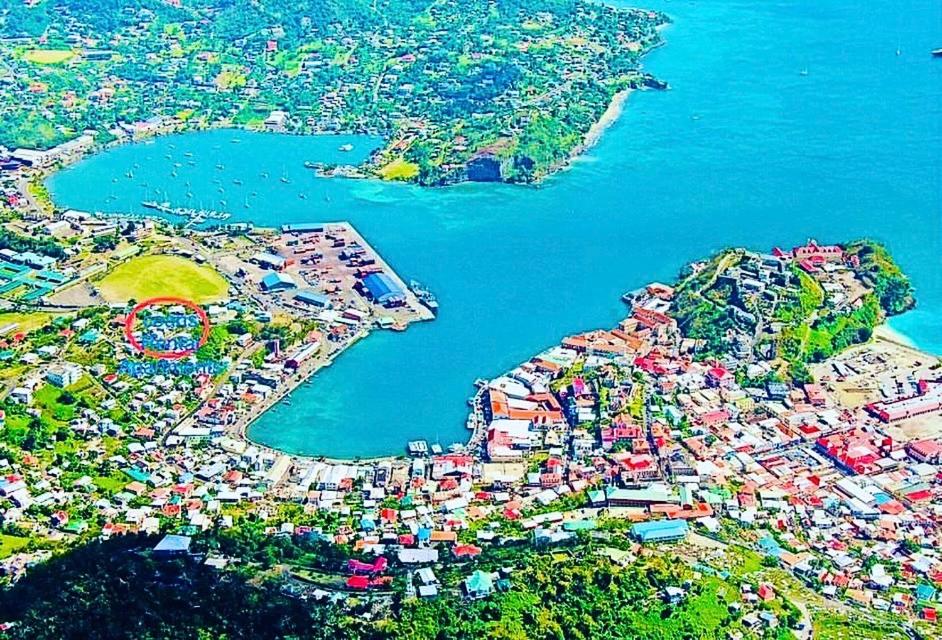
421	311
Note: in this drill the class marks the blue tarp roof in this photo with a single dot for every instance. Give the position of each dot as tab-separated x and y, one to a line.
925	592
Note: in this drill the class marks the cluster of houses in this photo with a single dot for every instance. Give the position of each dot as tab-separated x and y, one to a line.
675	444
621	423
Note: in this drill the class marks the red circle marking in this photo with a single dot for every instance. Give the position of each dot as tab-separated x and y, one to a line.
166	355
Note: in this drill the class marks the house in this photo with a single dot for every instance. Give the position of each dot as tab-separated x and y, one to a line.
64	375
673	595
925	451
172	546
418	556
478	585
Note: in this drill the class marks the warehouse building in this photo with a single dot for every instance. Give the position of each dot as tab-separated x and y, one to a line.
660	531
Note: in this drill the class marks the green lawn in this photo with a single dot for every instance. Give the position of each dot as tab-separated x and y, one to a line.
113	483
399	169
11	544
25	322
48	56
160	275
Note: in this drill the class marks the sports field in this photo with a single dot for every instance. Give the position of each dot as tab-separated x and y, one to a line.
155	276
47	56
14	322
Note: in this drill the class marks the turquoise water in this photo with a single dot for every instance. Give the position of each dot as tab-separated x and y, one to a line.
743	150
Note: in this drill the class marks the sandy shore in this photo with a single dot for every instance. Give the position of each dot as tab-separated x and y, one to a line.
888	333
610	115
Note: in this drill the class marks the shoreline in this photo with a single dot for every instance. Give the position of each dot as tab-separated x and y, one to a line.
889	334
609	117
307	374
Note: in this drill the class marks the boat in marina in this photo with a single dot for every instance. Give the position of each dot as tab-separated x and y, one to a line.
195	215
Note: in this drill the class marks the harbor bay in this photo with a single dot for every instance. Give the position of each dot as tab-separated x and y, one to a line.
764	138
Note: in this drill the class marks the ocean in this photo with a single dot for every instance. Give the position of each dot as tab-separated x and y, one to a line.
786	120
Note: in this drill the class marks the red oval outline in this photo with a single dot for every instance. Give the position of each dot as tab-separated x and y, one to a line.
166	355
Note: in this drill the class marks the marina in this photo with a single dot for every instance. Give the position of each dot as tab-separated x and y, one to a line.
186	212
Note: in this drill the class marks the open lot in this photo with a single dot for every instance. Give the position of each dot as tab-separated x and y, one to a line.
162	275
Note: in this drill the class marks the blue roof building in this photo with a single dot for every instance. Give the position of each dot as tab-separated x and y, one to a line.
304	227
925	592
313	298
277	282
382	289
173	545
479	585
660	530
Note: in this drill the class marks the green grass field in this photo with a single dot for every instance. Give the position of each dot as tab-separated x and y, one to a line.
399	169
48	56
154	276
25	322
11	544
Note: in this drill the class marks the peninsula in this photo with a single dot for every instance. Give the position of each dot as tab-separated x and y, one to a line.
509	97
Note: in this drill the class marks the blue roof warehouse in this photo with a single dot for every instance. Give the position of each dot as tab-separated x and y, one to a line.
380	288
660	530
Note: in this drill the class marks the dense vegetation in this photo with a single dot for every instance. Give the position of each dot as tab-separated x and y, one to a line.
890	284
517	86
797	321
115	590
118	589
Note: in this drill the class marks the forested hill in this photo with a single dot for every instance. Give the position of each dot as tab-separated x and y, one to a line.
510	87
